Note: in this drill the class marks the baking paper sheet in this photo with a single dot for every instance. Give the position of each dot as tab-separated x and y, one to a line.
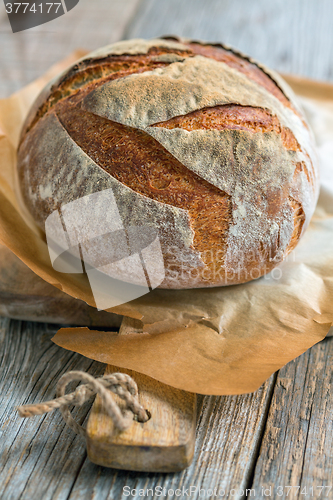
212	341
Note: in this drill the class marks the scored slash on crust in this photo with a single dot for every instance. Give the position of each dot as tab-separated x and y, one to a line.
197	128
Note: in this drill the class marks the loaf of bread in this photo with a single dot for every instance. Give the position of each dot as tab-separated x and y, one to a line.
196	140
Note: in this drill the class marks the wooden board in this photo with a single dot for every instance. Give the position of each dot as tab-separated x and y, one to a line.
23	295
163	444
28	54
42	459
297	447
237	446
38	457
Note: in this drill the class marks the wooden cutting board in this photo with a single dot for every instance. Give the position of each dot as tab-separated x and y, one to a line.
163	444
24	295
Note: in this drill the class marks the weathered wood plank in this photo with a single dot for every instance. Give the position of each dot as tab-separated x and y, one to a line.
293	36
42	459
297	445
221	458
228	434
28	54
40	456
163	444
24	295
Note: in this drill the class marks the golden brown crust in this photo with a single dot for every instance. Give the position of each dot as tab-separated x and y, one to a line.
238	177
100	70
299	219
92	73
236	117
141	163
241	64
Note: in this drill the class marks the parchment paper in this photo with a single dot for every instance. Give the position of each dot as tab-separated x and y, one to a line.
210	341
25	296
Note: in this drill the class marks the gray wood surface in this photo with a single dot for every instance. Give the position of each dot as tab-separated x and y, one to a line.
292	36
42	459
279	436
297	447
26	55
24	295
39	458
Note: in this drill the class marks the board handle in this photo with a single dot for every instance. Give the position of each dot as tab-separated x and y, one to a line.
163	444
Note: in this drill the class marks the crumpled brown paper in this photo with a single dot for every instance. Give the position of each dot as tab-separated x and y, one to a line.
211	341
25	296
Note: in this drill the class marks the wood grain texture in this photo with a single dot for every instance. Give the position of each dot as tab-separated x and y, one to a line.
36	453
39	458
228	435
292	36
297	446
28	54
163	444
24	295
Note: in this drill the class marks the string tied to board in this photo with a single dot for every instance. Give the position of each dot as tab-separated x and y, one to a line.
118	383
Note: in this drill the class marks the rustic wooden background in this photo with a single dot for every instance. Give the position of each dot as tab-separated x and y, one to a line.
279	436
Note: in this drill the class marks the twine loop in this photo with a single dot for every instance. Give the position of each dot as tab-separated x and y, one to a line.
118	383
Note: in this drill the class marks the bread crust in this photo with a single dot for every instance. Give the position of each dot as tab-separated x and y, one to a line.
194	139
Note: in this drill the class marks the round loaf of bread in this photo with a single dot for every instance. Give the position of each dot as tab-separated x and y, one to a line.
196	140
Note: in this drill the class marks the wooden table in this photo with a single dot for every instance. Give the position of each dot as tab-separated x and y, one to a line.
279	436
